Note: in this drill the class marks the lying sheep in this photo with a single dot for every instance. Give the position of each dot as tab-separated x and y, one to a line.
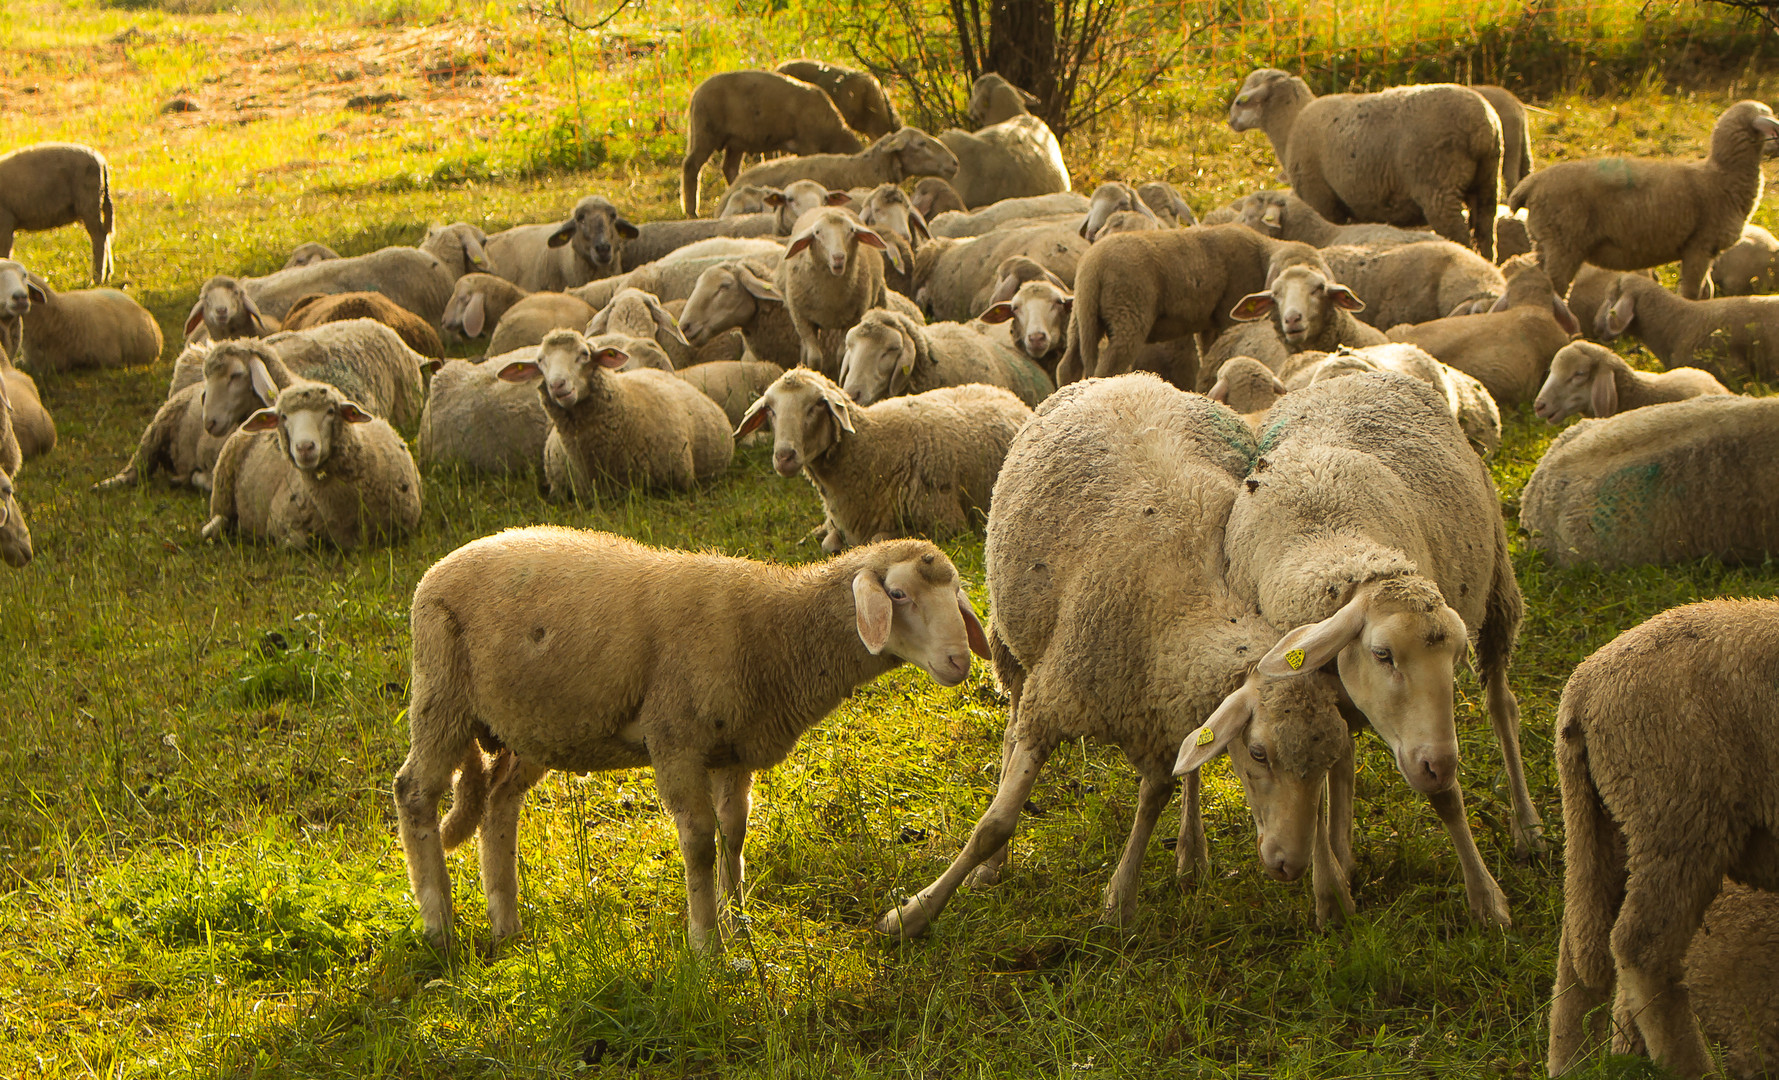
176	441
1588	292
33	429
1007	213
354	470
1371	532
738	295
1511	237
226	310
363	358
309	253
1750	266
1109	198
1509	348
954	279
15	534
1732	978
1246	385
1301	309
1166	204
477	303
1667	745
257	492
1594	381
1627	491
831	288
609	431
743	640
888	210
587	246
1366	157
1097	633
637	314
889	354
417	280
1283	216
657	239
757	112
1634	213
50	185
533	317
476	421
675	276
733	384
312	311
1516	134
890	160
1013	158
1735	338
84	328
1466	399
1416	283
861	100
924	464
784	204
460	247
994	99
934	196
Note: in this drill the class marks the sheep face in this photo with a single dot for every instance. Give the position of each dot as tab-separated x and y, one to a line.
916	609
725	297
744	199
637	314
1742	125
309	254
994	99
809	414
878	362
1264	212
565	362
597	232
917	154
1246	385
466	313
458	246
831	236
889	209
933	196
1248	111
800	198
1165	202
1303	299
15	536
1108	199
308	419
236	384
1040	315
226	311
1396	644
18	290
1581	380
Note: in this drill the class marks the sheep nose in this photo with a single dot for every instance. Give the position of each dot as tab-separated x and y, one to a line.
785	461
1281	867
305	449
837	265
1037	344
604	251
1430	770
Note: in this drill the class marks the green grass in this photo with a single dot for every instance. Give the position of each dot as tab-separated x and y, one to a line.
198	866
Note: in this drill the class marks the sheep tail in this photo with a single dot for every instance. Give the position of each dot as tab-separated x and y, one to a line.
1516	199
468	796
107	216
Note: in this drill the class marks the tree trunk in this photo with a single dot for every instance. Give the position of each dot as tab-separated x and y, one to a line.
1022	50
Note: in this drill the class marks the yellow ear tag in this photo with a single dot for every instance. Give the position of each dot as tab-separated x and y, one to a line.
1294	658
1205	737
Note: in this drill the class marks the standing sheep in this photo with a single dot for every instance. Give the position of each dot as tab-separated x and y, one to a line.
1655	486
1635	213
1516	134
890	160
1594	381
923	464
757	112
1667	745
586	247
859	97
707	667
1371	157
50	185
889	354
832	287
1735	338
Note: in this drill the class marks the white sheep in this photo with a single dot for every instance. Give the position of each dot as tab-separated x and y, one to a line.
733	384
1736	338
1635	213
1466	399
832	287
477	303
889	354
1750	266
1667	745
924	464
1283	216
320	309
587	246
1165	202
1015	157
29	425
175	440
706	667
417	280
362	357
889	211
226	310
1301	309
1592	380
757	112
1655	486
1247	386
1516	136
82	328
934	196
994	99
890	160
675	276
858	96
460	247
1416	283
642	428
50	185
1111	620
530	320
1037	306
656	240
1367	157
479	422
1110	198
1732	978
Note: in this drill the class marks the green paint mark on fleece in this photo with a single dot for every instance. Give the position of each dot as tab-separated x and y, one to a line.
1624	497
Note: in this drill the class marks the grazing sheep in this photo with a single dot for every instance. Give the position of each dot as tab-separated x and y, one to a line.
50	185
1516	134
610	431
1594	381
1373	534
861	100
528	321
460	247
1309	311
362	357
312	311
889	354
890	160
1635	213
1465	398
587	246
924	464
954	279
1416	283
83	328
1111	620
477	303
1631	490
1667	745
1750	266
309	253
709	668
733	384
757	112
934	196
833	287
1166	204
1732	977
1367	157
354	470
1508	349
1283	216
477	421
1735	338
994	99
1013	158
175	440
674	277
1007	213
1246	385
15	534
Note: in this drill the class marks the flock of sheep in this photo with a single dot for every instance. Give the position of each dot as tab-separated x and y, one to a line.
1255	519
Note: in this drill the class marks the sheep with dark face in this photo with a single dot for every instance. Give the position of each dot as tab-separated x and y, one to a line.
587	246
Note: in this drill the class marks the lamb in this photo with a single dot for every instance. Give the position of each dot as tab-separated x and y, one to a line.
924	464
994	99
757	112
861	100
891	159
417	280
744	640
15	534
308	254
1166	204
1626	491
1516	134
1283	216
319	309
1667	746
831	289
955	279
363	358
476	421
84	328
1732	976
587	246
1365	157
889	354
1008	213
934	196
1108	475
733	384
50	185
1594	381
1373	535
1016	157
1309	311
1465	398
532	318
674	277
1509	348
609	431
1735	338
1635	213
1416	283
1750	266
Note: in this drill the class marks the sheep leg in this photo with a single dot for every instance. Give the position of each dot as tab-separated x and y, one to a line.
731	164
1559	266
1334	897
1488	904
1445	212
989	873
6	226
1192	856
498	844
1121	892
1649	942
101	252
1340	809
731	790
912	918
419	785
685	790
696	155
1504	715
1577	1015
1695	274
809	348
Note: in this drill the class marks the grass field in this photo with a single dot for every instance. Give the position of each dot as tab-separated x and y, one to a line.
198	866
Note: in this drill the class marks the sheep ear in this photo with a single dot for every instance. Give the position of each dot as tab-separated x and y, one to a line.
262	380
353	414
1309	647
196	316
798	243
1619	315
919	221
475	315
1082	231
837	198
1006	289
666	323
472	250
597	324
1605	391
836	401
1346	301
1212	737
874	609
1220	391
1274	212
253	312
37	289
997	313
759	287
431	366
611	358
752	419
263	420
563	234
1565	318
1252	307
520	371
627	230
972	626
774	197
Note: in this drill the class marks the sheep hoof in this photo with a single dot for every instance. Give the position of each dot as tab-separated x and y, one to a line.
1118	912
213	528
124	479
1530	843
1332	910
1490	910
983	876
904	923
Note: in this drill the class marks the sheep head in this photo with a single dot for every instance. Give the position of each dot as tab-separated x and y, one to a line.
1303	300
1743	127
831	236
724	298
912	152
1039	311
881	352
1582	379
1246	385
597	232
994	99
809	415
637	314
19	289
1262	87
565	362
889	209
910	603
226	311
308	418
1108	199
15	535
237	382
459	246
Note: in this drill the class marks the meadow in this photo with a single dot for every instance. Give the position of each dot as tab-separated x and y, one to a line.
199	874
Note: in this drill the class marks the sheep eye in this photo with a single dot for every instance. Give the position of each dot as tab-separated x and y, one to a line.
897	594
1383	655
1257	752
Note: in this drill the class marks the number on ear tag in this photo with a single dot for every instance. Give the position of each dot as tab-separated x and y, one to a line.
1294	658
1205	737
